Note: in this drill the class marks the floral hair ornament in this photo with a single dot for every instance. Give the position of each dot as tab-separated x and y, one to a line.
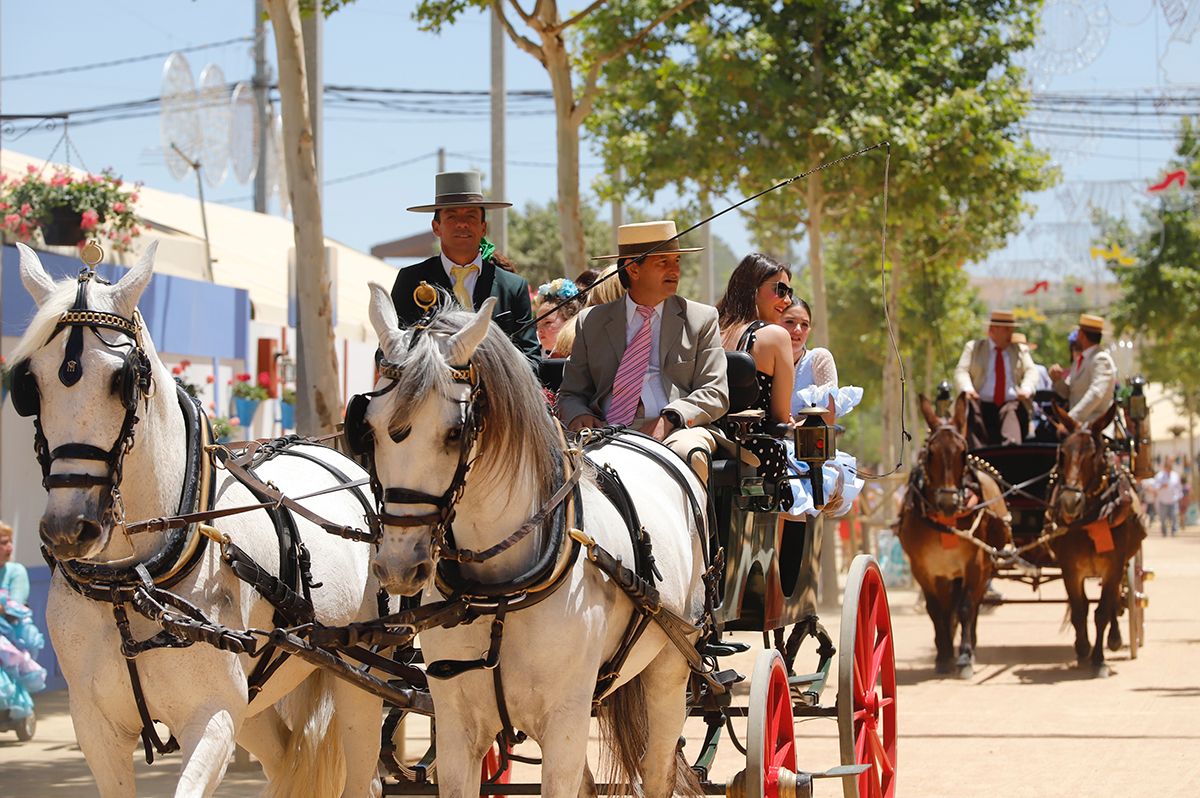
561	288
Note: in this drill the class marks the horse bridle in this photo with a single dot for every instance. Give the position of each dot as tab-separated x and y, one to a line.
134	380
919	478
1101	478
360	439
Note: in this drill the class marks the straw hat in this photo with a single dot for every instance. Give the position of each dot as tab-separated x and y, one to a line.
1002	318
1091	323
640	238
459	190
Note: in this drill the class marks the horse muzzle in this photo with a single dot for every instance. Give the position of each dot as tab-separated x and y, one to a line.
948	501
72	537
1070	504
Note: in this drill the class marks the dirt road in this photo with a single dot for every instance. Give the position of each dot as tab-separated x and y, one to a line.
1028	724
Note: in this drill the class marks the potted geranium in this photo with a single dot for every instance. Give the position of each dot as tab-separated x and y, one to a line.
247	394
66	208
223	427
287	409
179	372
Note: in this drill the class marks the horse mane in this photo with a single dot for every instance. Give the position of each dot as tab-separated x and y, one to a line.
519	433
45	320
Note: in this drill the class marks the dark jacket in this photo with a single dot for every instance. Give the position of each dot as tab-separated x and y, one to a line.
511	292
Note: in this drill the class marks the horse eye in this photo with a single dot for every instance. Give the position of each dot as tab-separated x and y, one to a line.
398	435
454	434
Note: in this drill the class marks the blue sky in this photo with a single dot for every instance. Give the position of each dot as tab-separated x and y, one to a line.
375	43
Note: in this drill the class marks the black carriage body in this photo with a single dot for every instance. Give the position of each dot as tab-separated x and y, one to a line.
1027	463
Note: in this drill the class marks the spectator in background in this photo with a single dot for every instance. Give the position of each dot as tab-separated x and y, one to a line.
554	306
13	576
1168	490
586	278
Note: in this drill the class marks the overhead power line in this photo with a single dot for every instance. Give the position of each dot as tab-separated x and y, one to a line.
122	61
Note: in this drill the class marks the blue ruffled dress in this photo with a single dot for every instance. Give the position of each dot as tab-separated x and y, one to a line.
842	483
20	643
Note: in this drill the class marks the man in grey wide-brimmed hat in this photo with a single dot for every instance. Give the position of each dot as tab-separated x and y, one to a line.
466	267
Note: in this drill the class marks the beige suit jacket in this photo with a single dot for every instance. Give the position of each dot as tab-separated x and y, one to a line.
1089	390
973	365
692	361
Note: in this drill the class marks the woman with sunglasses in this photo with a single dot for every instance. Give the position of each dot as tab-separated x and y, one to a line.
759	291
816	385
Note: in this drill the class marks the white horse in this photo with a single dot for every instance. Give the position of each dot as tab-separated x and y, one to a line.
552	652
310	741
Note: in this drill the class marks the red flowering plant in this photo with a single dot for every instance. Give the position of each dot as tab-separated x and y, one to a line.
242	387
179	372
103	202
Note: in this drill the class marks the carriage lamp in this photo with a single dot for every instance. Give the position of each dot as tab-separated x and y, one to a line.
815	442
941	402
1138	411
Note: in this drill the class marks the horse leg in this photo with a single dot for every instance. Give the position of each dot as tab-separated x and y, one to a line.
263	735
206	743
462	742
358	718
107	748
1078	602
564	749
665	683
1105	610
968	614
943	641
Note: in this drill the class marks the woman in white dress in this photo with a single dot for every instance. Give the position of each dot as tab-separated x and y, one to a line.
816	385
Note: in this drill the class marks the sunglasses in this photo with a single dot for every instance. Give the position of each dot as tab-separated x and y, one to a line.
783	290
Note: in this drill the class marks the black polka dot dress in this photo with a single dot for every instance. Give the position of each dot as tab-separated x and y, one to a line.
771	453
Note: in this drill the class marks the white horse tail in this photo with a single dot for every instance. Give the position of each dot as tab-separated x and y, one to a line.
624	733
314	765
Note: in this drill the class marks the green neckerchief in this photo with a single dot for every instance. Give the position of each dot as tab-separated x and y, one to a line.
486	248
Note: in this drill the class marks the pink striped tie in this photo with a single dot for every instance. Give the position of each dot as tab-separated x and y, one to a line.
631	374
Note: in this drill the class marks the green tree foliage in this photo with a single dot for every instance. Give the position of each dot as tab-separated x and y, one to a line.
1161	291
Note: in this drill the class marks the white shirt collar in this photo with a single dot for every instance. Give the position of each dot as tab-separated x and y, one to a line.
448	264
631	308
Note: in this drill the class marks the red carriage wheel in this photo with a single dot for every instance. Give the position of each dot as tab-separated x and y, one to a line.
866	697
770	736
491	766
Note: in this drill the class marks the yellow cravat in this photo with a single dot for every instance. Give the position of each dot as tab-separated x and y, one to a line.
460	273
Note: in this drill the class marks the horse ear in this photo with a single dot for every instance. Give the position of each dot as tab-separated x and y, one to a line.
382	311
927	410
960	414
39	284
128	290
464	342
1101	424
1064	418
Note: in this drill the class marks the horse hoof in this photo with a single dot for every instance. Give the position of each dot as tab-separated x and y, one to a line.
1100	671
1114	642
943	667
1083	663
966	671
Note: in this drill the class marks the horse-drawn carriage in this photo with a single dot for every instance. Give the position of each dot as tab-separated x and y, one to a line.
1034	513
254	578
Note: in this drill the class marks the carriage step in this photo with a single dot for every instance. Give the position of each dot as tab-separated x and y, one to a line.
728	677
841	771
726	649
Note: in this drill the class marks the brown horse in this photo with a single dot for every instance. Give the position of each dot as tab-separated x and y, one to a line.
947	494
1094	500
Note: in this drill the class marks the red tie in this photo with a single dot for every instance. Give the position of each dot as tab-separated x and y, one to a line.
999	393
1078	362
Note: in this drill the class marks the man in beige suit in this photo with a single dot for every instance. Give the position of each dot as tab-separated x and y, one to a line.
1089	383
998	378
650	360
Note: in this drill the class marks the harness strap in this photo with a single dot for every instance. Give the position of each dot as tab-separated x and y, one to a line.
151	742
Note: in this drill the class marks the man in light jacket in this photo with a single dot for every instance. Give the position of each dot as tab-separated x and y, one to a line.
998	378
1089	383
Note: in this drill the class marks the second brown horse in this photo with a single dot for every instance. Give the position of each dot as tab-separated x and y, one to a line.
949	501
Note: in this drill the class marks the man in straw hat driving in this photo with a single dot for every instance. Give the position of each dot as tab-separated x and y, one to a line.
650	360
466	267
1088	384
998	377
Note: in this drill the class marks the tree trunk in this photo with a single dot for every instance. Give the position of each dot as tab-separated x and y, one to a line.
570	215
892	405
318	397
815	199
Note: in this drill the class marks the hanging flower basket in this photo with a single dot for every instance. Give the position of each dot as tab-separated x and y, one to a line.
63	227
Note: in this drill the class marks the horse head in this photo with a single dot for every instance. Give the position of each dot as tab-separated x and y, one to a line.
81	371
944	459
1081	464
457	415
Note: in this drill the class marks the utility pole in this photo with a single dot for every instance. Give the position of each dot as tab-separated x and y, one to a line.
618	210
498	228
260	105
441	159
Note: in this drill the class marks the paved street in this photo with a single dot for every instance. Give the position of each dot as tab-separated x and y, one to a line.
1028	724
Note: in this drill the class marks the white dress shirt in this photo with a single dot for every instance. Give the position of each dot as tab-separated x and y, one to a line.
988	389
654	395
472	278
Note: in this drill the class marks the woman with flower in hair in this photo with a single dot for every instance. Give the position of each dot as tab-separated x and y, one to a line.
559	294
